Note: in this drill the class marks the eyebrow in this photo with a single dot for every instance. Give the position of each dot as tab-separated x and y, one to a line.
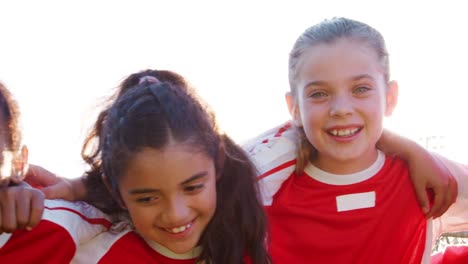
362	76
324	83
315	83
197	176
144	190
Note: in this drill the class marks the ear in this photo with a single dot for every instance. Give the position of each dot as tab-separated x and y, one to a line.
391	97
293	111
20	164
23	158
115	195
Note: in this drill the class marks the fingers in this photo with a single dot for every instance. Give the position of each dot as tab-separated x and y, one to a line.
37	208
438	206
445	191
8	211
421	195
22	213
444	198
20	207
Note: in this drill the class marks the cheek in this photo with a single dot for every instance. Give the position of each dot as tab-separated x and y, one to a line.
140	215
312	116
143	218
376	109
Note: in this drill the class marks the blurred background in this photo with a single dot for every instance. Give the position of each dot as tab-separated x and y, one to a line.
61	58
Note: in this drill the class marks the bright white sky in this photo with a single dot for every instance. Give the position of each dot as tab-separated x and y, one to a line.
60	58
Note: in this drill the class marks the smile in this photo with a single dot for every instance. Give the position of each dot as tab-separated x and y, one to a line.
179	229
344	132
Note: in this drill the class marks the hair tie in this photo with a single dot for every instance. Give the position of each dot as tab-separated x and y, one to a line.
148	78
156	90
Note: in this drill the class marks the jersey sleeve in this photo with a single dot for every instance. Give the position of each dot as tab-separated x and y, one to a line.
455	219
64	226
102	248
274	154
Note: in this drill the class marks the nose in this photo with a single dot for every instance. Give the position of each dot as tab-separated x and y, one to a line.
176	212
341	105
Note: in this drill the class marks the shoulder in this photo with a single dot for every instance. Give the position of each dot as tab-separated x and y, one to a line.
272	148
81	220
274	155
64	225
111	244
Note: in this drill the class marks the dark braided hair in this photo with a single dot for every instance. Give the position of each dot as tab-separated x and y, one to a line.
151	115
91	151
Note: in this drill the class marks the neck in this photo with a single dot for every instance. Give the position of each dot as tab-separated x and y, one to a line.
195	252
336	165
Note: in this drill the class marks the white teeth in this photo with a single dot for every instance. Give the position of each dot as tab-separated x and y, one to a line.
179	229
343	132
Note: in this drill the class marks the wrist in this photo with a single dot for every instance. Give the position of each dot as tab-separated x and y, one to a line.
78	189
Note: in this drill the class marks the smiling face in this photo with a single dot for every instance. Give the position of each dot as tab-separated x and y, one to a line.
170	195
341	99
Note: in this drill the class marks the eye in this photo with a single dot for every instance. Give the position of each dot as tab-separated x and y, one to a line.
147	199
318	95
361	89
193	189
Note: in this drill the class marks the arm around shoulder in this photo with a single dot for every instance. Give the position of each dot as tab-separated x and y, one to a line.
427	173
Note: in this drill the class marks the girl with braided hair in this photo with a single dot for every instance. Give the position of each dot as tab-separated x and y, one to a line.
188	190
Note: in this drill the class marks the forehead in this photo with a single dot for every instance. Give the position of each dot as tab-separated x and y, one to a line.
342	59
166	169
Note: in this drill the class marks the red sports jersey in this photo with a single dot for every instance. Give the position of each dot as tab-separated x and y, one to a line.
124	247
369	217
452	255
274	154
131	248
128	247
64	226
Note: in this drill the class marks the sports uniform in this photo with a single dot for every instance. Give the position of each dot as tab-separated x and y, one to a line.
64	226
368	217
125	246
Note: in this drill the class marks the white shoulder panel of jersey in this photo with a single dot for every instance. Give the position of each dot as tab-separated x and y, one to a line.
82	220
273	153
93	250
